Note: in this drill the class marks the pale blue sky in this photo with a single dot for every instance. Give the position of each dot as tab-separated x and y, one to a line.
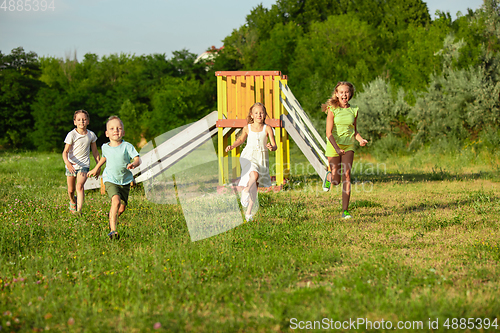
104	27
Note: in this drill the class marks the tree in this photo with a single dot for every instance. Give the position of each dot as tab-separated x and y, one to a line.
19	84
278	52
175	102
332	51
53	117
135	116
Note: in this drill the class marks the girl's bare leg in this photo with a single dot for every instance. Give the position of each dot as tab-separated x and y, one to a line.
71	188
81	178
347	160
335	168
252	191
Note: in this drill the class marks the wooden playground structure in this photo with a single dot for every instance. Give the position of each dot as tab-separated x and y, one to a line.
237	91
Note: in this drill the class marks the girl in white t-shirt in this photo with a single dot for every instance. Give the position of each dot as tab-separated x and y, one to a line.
76	156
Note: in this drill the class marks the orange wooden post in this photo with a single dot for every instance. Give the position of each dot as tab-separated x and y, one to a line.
103	188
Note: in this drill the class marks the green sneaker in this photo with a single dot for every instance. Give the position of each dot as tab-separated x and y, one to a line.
326	183
346	215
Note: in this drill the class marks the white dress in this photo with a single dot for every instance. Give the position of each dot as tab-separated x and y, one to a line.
255	157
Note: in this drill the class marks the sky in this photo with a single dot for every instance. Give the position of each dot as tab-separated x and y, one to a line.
104	27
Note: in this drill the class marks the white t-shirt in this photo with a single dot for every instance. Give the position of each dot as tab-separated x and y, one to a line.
79	153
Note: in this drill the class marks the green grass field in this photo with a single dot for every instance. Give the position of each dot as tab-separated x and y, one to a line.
423	247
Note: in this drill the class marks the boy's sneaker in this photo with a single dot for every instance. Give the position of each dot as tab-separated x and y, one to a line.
346	215
326	183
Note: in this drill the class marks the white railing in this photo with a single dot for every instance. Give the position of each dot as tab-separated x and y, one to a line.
303	132
171	151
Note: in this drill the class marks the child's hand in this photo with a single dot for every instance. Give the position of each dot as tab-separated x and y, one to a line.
96	172
340	152
228	148
92	173
271	147
70	168
363	142
131	166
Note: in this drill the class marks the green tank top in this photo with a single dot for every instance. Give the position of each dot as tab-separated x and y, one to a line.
343	128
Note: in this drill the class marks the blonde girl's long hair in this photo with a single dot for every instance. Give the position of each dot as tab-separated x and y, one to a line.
249	117
334	101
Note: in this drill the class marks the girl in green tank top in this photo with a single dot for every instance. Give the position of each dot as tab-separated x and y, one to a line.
341	134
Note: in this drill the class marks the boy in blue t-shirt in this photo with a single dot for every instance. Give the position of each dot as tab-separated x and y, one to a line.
117	175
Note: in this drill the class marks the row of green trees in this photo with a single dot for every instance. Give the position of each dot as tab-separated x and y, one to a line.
419	81
460	104
151	93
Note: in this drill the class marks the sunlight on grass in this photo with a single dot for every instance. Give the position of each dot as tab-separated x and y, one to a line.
423	244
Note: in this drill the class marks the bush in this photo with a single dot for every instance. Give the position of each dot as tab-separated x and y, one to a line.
490	137
388	145
380	114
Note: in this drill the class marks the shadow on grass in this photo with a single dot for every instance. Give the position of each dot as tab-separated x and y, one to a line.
385	177
482	202
434	175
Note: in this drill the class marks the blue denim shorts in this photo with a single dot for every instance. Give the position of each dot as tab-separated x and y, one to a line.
83	170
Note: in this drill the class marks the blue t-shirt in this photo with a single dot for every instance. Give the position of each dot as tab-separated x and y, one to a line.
117	159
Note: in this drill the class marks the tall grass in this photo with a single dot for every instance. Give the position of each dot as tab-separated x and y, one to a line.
423	245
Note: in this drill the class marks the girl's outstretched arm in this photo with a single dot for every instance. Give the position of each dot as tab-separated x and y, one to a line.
357	136
240	140
95	152
65	153
271	146
330	122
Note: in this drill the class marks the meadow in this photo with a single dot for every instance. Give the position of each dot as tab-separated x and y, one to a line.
421	250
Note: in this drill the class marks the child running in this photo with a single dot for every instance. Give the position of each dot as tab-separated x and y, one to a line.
76	156
117	176
341	131
254	159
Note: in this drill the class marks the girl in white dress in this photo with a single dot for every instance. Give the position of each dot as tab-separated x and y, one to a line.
254	159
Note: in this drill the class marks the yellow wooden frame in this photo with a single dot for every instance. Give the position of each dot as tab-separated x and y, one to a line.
236	93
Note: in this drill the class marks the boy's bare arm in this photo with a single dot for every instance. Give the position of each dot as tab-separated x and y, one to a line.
94	172
137	161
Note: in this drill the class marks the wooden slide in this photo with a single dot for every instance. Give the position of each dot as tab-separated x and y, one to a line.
301	130
165	155
171	151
